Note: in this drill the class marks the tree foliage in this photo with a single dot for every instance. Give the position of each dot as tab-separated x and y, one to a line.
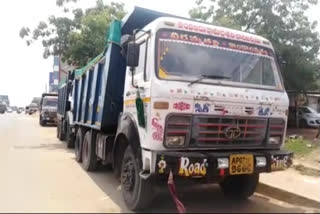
283	22
79	38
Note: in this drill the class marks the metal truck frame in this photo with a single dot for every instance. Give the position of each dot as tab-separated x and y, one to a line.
135	109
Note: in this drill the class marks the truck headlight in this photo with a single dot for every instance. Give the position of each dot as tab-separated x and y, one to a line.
274	140
223	163
173	141
261	161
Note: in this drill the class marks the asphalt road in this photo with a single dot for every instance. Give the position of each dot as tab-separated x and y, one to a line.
38	174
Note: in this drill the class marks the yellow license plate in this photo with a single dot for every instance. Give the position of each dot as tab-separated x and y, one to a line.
241	164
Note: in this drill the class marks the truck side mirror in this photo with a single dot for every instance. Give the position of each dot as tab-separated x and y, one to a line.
133	54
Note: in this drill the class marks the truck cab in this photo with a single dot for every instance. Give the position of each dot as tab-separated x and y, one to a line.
206	88
48	109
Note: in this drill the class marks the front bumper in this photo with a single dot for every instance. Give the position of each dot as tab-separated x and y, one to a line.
205	164
50	117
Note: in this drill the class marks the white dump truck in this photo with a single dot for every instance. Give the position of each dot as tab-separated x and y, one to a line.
172	95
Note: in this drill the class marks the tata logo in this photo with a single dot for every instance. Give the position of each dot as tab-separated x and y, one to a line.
232	132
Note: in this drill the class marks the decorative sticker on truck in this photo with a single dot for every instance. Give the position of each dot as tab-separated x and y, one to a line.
228	34
158	130
210	42
162	164
188	168
182	106
202	107
264	111
280	163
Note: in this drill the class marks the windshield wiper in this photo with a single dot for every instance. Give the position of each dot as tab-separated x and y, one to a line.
208	77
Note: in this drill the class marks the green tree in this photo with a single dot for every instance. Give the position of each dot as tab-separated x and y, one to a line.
79	38
283	22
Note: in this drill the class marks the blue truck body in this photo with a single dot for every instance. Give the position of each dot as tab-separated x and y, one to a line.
98	97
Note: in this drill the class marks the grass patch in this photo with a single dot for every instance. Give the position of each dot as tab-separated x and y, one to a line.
299	147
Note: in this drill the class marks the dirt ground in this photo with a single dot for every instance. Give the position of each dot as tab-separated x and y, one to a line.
308	134
312	159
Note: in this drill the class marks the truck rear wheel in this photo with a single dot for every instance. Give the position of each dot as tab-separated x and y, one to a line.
58	130
78	144
136	192
70	137
239	187
89	157
61	134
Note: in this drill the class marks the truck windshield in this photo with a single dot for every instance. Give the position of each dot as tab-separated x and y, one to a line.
183	56
51	102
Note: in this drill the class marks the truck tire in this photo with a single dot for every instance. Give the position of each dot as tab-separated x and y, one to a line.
61	134
239	187
42	122
58	130
69	137
89	157
78	144
136	192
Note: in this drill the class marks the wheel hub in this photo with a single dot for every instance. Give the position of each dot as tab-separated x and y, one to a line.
128	176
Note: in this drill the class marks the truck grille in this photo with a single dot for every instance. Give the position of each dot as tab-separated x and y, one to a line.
51	114
223	131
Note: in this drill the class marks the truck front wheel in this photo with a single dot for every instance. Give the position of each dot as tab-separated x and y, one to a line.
89	157
136	192
42	122
239	187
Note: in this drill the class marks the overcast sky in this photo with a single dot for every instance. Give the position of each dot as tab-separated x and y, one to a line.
23	71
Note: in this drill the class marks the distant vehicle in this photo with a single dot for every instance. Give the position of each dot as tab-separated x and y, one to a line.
19	110
308	117
14	108
48	109
9	110
32	108
4	99
36	100
26	110
3	108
